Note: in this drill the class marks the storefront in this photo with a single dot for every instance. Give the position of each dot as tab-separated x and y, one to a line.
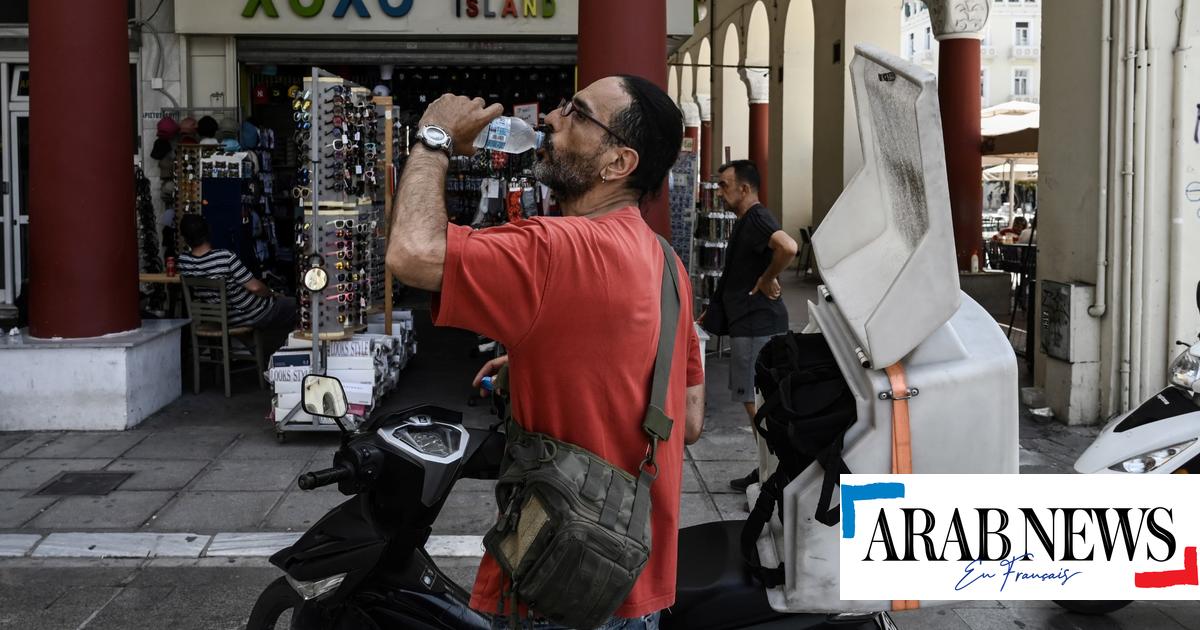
244	58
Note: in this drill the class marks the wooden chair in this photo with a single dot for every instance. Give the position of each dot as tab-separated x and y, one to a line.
211	334
804	257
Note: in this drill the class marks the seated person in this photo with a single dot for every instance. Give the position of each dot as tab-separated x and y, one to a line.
1018	225
251	303
1029	234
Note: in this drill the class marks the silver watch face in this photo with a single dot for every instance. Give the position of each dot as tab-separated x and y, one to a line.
435	135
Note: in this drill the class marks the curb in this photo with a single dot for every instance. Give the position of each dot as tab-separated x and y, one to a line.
192	546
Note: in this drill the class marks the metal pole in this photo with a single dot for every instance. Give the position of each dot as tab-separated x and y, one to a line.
314	165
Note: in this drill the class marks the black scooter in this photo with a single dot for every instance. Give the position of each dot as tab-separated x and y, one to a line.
364	566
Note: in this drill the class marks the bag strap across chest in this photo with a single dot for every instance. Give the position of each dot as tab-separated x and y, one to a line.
656	423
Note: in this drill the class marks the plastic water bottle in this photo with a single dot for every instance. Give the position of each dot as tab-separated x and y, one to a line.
488	383
510	135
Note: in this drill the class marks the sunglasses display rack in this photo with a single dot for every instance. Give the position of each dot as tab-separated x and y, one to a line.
682	192
714	226
348	246
341	189
188	174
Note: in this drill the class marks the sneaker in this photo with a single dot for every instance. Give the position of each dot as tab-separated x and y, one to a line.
741	484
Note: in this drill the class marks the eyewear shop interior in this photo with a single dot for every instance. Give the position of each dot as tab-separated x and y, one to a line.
478	190
306	167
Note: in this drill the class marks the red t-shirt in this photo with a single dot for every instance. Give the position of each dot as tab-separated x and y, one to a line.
576	303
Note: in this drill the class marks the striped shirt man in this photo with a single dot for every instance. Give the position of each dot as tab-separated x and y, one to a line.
245	308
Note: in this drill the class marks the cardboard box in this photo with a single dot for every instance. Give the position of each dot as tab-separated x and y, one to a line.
353	376
287	387
291	358
289	374
351	363
287	401
359	393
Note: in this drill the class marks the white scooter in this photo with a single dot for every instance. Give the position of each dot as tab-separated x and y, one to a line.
1160	437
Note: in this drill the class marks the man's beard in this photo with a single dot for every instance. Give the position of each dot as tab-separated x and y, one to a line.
570	175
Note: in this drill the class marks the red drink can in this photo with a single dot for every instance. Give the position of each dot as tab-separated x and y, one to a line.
170	266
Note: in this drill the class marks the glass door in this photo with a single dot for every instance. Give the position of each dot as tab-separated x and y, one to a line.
7	295
18	196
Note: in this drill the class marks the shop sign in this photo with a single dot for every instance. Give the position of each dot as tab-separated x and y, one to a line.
353	18
312	8
530	8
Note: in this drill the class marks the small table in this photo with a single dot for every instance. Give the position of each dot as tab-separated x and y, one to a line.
160	278
171	282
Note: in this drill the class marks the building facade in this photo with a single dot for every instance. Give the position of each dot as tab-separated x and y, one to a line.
1010	53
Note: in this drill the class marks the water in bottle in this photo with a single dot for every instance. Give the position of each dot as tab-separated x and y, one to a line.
510	135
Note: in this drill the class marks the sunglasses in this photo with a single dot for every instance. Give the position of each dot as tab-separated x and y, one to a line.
566	107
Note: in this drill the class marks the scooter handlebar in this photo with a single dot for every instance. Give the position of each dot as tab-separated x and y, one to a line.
329	476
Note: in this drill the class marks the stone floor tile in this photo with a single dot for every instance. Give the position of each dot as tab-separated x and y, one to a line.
89	444
260	445
158	474
718	473
469	513
16	508
212	512
122	509
299	510
727	444
930	618
731	506
31	474
1054	618
248	475
21	443
695	508
190	444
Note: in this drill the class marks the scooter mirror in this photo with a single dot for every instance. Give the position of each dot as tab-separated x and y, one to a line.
323	396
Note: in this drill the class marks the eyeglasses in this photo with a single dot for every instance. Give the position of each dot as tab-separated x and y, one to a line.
566	107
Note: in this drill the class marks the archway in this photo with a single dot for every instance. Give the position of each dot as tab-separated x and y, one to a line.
673	83
686	78
798	59
735	104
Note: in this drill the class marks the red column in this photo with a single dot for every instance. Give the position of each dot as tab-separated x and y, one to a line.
760	135
626	37
694	134
958	93
83	251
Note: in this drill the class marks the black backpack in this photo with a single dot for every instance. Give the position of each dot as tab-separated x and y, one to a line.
807	408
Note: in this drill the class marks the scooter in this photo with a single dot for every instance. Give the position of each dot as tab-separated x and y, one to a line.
1159	437
364	564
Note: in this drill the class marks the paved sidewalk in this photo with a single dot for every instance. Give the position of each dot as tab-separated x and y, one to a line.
211	490
207	465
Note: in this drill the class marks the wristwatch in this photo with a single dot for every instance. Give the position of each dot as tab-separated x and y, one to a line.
437	139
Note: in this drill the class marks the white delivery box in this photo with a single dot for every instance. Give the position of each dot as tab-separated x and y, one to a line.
886	254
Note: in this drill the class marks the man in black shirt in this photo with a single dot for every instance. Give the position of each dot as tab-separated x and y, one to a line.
759	250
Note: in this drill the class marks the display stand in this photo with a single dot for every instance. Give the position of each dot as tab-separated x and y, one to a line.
341	215
714	226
